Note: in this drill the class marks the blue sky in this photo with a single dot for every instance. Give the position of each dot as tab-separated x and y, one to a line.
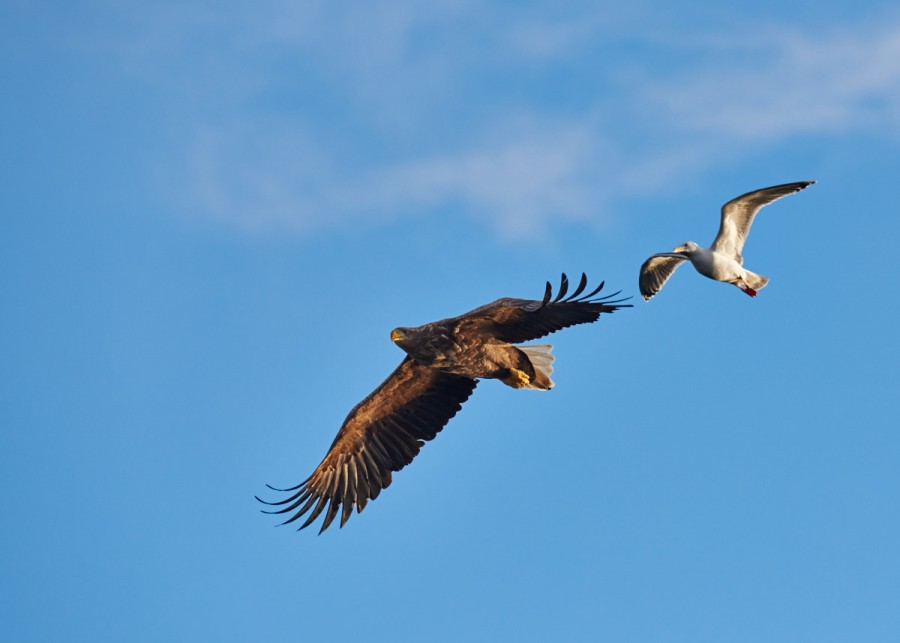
214	213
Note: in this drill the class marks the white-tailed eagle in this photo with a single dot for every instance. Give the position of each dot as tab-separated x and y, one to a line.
444	361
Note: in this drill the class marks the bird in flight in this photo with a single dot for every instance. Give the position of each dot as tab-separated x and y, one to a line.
722	261
444	361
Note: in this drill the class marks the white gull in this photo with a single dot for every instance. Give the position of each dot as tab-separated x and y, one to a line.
722	261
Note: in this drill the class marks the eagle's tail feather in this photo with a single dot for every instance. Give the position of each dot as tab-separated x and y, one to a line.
542	361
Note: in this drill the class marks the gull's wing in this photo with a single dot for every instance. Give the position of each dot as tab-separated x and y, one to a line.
738	214
656	271
383	433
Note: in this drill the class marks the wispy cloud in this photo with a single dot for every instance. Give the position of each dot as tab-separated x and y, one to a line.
827	83
278	177
307	117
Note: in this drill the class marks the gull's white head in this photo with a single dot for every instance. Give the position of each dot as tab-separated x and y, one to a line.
687	248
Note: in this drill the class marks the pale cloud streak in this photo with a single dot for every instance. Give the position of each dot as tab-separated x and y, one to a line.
397	112
829	83
287	182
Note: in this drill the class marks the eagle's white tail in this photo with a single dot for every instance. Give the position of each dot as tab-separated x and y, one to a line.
542	361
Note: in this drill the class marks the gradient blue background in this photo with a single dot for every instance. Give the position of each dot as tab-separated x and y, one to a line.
213	213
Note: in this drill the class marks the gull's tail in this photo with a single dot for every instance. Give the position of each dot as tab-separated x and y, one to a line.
751	282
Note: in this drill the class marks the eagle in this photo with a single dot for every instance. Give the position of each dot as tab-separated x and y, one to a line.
443	363
722	261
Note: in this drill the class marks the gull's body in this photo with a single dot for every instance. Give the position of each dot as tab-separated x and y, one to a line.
722	261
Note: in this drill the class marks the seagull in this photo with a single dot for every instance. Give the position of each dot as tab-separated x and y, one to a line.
722	261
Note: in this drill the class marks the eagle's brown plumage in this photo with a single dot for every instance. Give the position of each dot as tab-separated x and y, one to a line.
444	361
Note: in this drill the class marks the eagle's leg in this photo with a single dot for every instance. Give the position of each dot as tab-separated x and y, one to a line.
516	378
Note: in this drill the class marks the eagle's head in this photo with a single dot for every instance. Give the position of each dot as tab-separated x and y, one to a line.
418	343
400	336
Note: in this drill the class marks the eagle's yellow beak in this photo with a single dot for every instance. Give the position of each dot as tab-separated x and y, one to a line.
396	335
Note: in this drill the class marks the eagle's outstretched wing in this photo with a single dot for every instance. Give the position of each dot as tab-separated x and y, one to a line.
383	433
521	320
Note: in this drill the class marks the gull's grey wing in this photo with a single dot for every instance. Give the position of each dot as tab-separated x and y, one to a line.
656	271
738	214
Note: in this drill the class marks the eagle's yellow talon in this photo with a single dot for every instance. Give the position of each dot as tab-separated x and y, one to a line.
517	378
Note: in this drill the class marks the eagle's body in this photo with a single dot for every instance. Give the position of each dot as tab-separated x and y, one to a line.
451	346
445	360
